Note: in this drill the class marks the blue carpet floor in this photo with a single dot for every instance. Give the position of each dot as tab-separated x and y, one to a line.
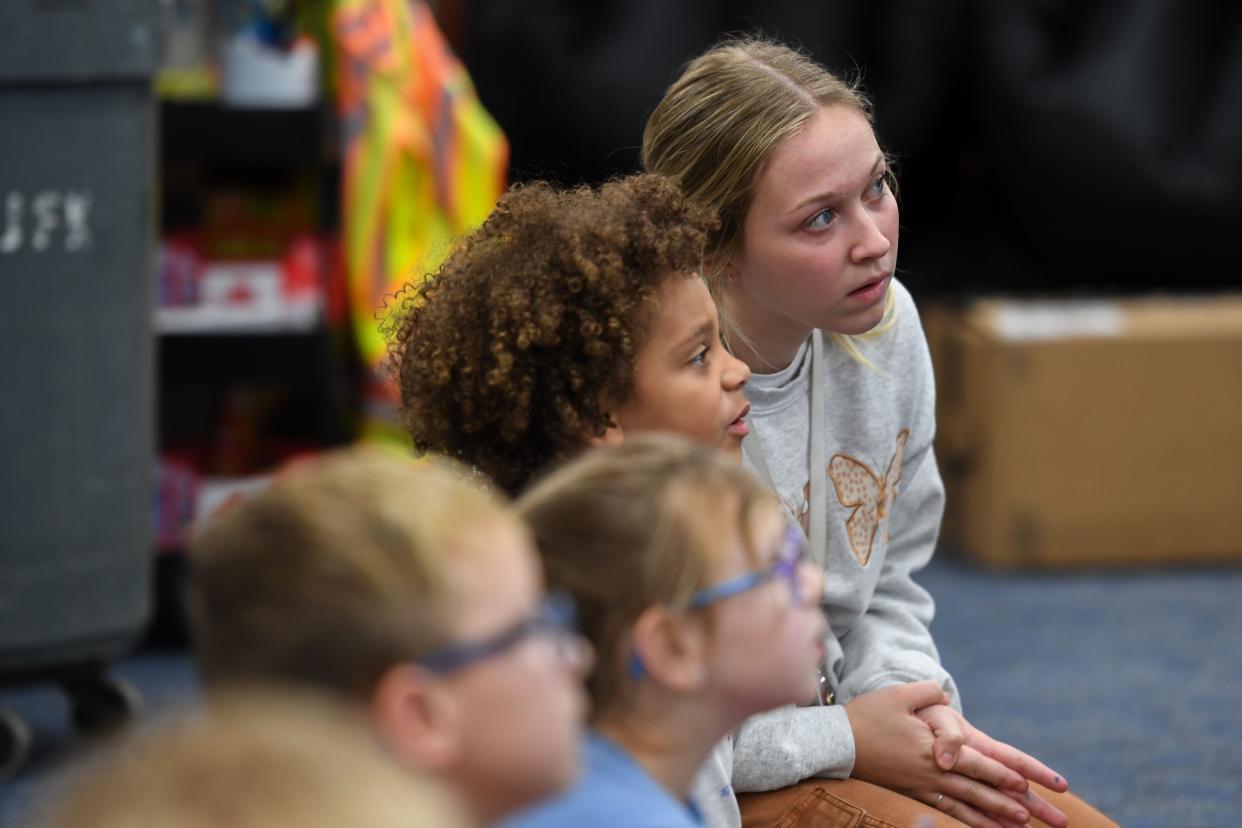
1130	684
166	681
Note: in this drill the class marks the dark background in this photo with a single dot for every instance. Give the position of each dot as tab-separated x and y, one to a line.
1044	146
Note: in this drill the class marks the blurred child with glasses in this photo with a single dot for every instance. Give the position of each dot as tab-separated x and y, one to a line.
700	605
410	592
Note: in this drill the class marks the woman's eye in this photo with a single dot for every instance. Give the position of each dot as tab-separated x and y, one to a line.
877	186
821	219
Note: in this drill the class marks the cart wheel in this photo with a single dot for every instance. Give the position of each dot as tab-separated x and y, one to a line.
15	742
101	703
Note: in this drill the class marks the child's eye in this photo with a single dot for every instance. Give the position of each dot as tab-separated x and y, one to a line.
822	219
700	359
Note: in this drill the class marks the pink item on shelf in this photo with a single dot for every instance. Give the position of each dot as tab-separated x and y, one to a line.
199	295
178	269
302	267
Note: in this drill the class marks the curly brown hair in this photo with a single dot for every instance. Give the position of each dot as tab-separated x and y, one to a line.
506	357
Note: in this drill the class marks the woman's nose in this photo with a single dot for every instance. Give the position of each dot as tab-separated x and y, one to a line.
872	243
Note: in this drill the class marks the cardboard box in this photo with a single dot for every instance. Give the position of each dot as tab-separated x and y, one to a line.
1091	433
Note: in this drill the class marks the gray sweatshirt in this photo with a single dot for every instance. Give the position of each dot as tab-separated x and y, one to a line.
885	501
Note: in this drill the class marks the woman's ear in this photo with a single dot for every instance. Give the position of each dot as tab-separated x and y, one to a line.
418	718
673	649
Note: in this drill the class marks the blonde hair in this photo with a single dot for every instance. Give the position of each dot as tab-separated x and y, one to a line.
335	573
718	124
252	763
632	526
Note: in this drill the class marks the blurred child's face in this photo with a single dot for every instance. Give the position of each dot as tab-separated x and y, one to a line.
767	645
685	382
820	238
523	708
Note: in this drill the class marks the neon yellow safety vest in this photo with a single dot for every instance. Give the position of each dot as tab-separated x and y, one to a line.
423	161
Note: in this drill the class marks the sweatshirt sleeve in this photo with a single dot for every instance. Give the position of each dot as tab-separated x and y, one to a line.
891	643
789	744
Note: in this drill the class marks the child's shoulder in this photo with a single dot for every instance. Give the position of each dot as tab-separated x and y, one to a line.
613	790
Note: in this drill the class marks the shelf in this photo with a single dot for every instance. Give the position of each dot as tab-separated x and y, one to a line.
303	360
212	133
289	318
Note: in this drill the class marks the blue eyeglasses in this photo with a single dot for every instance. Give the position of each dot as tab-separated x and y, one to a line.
555	618
793	553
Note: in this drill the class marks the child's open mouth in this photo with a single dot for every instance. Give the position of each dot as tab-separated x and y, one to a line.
739	426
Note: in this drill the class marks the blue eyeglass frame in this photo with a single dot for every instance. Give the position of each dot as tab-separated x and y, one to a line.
793	552
556	616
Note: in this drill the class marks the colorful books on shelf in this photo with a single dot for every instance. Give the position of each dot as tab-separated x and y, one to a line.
202	296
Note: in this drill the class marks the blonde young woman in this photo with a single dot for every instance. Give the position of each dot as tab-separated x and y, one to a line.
841	426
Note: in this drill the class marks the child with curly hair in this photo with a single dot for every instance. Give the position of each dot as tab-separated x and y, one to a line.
570	318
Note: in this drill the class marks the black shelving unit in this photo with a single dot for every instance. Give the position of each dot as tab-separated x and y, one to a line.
206	144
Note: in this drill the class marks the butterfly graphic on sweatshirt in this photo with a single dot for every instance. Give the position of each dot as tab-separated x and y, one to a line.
869	496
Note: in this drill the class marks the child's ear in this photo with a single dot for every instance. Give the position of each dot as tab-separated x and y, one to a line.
417	718
612	436
673	649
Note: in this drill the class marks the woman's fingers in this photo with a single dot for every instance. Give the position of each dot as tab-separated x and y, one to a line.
961	811
974	764
1040	808
983	798
946	727
920	694
1011	757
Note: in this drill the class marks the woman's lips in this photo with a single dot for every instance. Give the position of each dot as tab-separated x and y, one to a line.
872	291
